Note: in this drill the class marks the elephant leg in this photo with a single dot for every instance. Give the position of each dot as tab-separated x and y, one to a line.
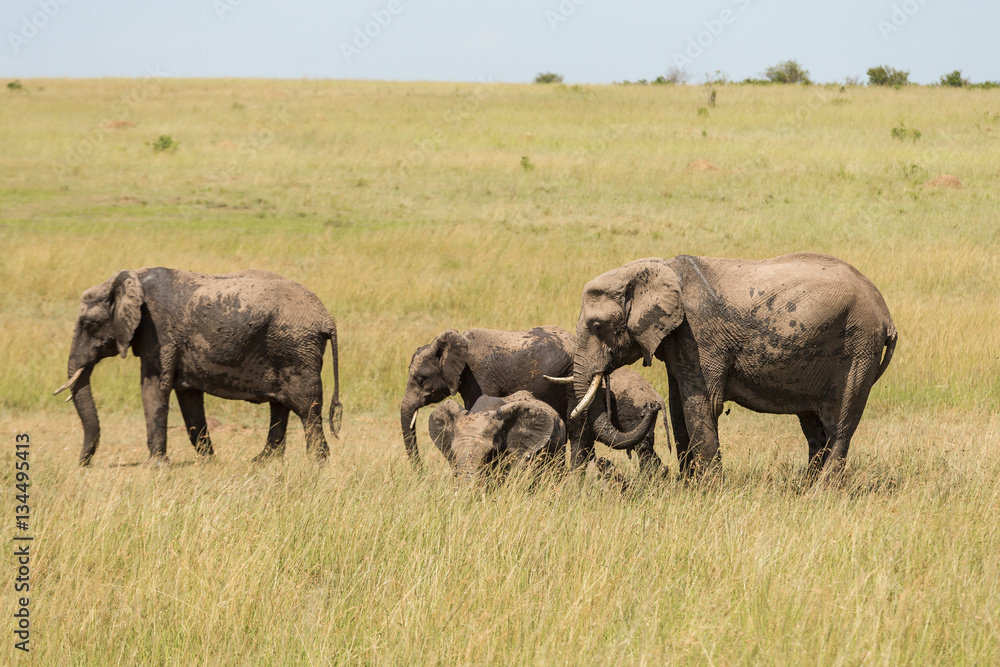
682	438
275	445
192	403
851	408
812	428
649	462
312	422
155	405
702	417
581	441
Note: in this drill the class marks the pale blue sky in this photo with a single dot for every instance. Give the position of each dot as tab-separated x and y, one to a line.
588	41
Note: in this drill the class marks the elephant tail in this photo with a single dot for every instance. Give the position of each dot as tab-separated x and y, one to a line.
890	346
336	409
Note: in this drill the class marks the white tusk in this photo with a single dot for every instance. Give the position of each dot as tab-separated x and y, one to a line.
413	422
589	397
69	383
565	380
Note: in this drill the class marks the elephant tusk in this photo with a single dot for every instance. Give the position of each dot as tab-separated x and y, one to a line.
413	422
565	380
69	383
589	397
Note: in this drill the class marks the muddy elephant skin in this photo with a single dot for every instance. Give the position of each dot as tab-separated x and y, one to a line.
497	363
497	434
251	336
801	334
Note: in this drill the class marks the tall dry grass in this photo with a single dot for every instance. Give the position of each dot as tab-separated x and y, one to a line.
406	208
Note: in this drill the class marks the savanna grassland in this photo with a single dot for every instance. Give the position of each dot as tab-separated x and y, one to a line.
410	208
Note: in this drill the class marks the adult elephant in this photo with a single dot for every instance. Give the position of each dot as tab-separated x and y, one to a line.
492	362
250	335
801	334
497	433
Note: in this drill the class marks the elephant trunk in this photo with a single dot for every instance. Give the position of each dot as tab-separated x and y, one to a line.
408	420
606	432
83	400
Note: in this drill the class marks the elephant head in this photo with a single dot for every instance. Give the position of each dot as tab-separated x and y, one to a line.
109	314
441	426
625	315
435	371
496	432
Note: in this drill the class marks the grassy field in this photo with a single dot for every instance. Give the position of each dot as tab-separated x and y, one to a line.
410	208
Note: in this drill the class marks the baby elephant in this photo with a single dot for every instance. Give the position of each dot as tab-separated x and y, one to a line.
497	433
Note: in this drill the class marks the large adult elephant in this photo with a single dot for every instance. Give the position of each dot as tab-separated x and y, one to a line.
251	336
801	334
498	363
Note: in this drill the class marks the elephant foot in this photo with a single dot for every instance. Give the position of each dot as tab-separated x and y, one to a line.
267	456
157	461
608	478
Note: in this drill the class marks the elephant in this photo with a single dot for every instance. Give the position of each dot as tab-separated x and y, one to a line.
803	334
497	363
625	397
497	433
251	335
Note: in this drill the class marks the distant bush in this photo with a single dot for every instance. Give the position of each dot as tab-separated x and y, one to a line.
902	133
674	75
985	85
15	85
164	143
788	71
756	82
549	77
954	79
887	76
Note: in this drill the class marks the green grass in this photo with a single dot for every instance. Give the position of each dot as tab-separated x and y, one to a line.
406	208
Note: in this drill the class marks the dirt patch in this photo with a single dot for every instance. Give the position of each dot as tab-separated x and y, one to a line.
228	145
118	124
702	165
944	181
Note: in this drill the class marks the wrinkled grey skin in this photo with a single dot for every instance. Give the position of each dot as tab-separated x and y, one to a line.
801	334
497	434
490	362
251	336
623	418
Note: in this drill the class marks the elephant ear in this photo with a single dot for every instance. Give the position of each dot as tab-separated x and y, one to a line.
441	426
655	307
126	308
530	427
452	351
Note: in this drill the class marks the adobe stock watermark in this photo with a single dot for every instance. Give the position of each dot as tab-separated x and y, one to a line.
714	28
363	35
223	7
35	23
900	16
458	113
121	109
562	12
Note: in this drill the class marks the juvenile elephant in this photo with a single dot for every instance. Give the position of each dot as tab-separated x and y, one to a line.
251	336
621	416
497	433
490	362
801	334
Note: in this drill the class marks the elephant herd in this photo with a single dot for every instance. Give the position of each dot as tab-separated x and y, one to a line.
803	334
